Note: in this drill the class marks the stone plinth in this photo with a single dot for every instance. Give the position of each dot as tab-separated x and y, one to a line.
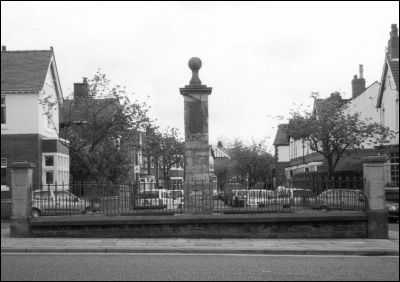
374	189
21	183
198	191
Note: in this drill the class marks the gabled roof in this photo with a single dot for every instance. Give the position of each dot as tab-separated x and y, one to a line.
318	103
79	109
25	71
393	66
221	150
282	137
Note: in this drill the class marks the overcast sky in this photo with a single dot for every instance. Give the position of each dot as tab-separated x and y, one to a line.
260	58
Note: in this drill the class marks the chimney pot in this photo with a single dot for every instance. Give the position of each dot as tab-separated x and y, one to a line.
393	44
358	84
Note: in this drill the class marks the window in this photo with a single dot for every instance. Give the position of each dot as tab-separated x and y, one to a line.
3	109
49	160
49	177
4	171
41	195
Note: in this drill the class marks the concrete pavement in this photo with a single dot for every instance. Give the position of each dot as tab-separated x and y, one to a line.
220	246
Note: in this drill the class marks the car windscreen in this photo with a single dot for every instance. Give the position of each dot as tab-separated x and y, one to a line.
241	193
175	193
41	195
64	195
148	195
302	193
257	193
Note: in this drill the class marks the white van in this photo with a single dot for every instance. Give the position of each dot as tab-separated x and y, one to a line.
259	197
153	199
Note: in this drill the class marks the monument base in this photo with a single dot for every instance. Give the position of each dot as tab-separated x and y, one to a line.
19	227
198	198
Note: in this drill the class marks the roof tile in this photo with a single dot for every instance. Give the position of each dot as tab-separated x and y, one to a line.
24	70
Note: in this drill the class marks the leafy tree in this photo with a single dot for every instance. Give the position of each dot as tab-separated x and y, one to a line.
166	147
223	169
330	129
251	162
100	129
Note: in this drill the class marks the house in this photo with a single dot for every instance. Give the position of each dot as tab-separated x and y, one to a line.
150	173
219	151
30	99
101	113
281	156
388	103
303	159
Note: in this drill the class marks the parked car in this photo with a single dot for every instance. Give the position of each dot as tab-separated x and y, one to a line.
177	198
239	198
50	202
393	211
259	197
153	199
287	197
344	199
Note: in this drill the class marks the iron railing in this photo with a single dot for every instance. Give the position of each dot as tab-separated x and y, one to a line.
197	197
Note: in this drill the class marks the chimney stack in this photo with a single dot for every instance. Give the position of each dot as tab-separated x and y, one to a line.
393	44
358	84
3	48
81	90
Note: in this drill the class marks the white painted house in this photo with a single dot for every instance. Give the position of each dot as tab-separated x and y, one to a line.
29	85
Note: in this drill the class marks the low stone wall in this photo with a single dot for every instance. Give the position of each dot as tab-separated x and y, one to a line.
331	225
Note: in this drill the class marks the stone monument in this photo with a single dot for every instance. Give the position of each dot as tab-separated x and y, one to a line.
197	188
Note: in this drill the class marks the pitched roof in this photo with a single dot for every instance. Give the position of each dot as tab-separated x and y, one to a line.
282	137
221	150
70	109
24	70
319	103
393	65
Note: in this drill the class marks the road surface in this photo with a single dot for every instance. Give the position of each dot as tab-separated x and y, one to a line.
175	267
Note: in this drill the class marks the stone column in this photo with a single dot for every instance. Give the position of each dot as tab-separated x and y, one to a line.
21	182
374	190
198	189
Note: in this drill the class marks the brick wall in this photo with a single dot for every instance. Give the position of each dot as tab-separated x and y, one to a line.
22	147
222	226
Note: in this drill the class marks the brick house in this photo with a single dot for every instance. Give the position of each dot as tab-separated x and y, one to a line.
75	111
281	156
29	79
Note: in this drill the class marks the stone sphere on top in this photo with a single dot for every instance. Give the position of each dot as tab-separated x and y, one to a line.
195	64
